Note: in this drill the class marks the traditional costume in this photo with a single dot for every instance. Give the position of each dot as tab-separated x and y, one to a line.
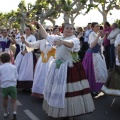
94	65
47	54
5	47
66	91
25	63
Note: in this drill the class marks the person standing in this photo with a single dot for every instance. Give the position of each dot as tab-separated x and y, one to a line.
66	91
81	38
86	36
106	43
112	85
18	36
94	62
8	83
5	42
47	55
112	36
25	60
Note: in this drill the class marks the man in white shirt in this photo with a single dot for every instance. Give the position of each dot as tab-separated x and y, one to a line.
112	36
86	36
8	83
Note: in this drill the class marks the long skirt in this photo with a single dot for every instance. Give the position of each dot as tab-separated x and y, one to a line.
112	85
25	67
78	100
96	70
39	77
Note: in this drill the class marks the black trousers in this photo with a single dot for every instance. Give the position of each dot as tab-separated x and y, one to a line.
107	55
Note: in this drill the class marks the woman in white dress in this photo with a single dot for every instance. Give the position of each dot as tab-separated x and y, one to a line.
25	60
94	62
66	90
5	43
47	55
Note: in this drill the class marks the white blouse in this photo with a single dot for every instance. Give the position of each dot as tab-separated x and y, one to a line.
117	41
9	79
92	38
76	42
43	45
31	39
63	52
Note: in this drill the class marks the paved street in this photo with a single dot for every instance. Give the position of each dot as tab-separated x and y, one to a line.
30	108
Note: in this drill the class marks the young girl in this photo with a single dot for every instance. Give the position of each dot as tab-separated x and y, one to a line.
8	83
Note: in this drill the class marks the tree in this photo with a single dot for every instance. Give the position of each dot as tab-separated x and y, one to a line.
2	17
18	17
105	6
118	22
46	9
71	8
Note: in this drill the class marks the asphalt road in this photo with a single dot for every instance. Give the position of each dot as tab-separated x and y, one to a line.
30	108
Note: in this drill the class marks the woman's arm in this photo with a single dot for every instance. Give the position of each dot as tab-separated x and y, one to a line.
41	29
93	44
34	45
12	40
68	44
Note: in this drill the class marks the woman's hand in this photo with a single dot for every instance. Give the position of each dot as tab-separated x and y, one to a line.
36	24
80	35
22	39
58	43
100	33
63	42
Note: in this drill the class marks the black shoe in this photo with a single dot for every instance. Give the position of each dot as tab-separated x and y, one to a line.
94	94
14	117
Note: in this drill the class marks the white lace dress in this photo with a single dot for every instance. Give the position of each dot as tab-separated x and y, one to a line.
94	64
66	91
47	55
24	63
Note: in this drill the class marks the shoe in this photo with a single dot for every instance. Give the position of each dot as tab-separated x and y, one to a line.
94	93
6	114
14	117
101	94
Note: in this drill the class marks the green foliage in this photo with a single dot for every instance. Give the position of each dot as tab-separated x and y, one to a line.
118	22
82	1
16	25
66	8
22	5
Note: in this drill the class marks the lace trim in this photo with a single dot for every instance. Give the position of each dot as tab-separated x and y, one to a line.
98	77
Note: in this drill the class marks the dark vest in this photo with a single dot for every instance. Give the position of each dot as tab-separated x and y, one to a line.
95	49
5	44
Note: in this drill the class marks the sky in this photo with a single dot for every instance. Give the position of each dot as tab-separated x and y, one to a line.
92	16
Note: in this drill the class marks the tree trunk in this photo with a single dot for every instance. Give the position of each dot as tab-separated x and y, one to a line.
72	22
22	24
66	17
72	19
42	20
104	17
